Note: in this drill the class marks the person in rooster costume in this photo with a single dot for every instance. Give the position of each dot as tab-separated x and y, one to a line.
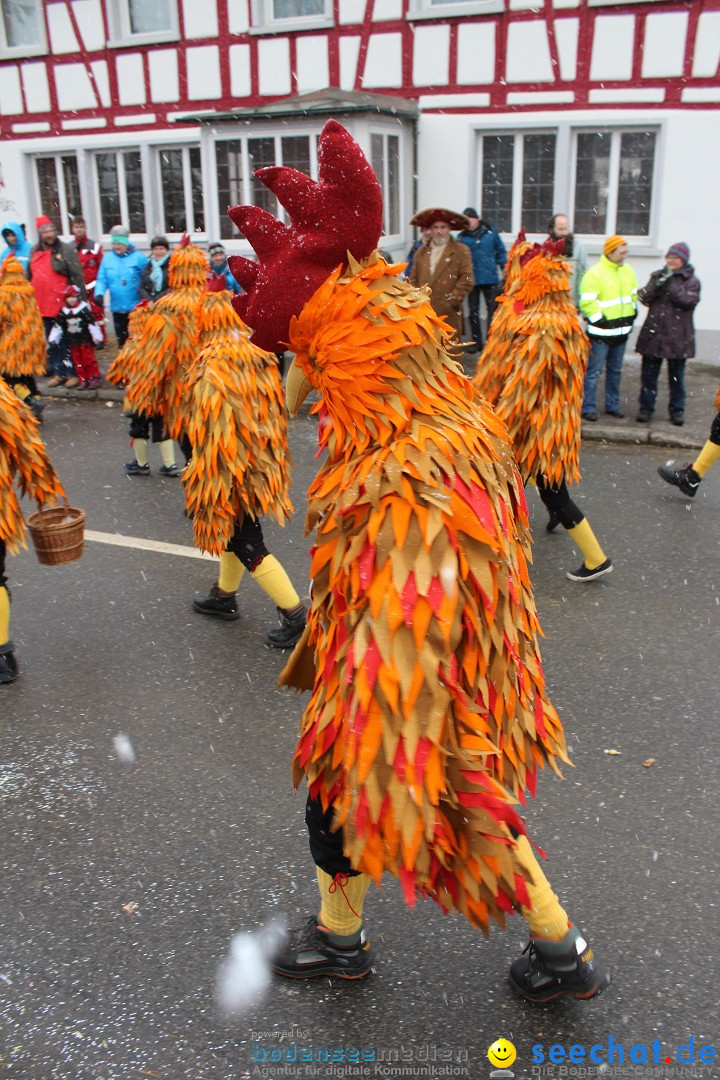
688	477
22	336
532	372
23	460
239	471
428	717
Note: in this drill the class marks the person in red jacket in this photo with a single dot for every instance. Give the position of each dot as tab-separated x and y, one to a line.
90	253
52	267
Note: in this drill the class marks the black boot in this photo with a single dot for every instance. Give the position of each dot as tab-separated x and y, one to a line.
686	478
220	607
541	975
290	630
8	664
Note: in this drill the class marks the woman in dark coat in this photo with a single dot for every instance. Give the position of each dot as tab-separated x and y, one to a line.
154	282
668	333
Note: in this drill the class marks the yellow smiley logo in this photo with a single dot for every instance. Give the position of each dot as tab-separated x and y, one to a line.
502	1053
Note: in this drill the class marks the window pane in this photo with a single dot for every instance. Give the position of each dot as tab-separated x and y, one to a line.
262	153
106	165
291	9
149	17
21	22
392	195
377	156
197	189
134	190
228	157
69	168
637	157
538	181
47	185
498	154
296	152
592	178
173	190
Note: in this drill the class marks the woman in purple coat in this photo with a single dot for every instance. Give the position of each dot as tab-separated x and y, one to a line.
668	333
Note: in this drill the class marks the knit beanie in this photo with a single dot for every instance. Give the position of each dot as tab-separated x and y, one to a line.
42	221
682	251
470	211
119	235
215	248
158	241
612	243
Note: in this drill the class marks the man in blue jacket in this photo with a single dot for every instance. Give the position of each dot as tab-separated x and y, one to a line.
488	258
120	274
219	265
17	244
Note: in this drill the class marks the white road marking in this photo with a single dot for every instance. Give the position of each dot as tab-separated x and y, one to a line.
145	545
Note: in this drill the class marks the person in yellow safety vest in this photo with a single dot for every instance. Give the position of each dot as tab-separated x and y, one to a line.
608	300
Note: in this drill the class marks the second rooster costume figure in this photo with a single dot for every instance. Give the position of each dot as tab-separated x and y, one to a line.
428	717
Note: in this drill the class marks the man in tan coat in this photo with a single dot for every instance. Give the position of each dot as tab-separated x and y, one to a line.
445	265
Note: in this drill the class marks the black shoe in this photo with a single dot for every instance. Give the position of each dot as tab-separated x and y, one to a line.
134	469
678	420
643	417
584	574
8	668
686	478
615	412
168	470
310	952
37	407
290	631
220	607
593	416
552	522
542	977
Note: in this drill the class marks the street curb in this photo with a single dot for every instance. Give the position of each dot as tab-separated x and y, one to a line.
618	434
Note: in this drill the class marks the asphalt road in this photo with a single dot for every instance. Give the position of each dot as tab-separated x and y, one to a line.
204	833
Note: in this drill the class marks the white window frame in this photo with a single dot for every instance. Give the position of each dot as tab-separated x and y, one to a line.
265	22
615	133
516	208
185	148
120	34
122	189
20	52
57	156
385	133
426	9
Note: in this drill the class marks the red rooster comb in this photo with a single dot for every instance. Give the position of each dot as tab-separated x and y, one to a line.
340	212
184	240
216	283
549	247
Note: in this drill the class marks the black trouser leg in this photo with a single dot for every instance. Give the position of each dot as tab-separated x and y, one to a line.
247	543
326	846
557	500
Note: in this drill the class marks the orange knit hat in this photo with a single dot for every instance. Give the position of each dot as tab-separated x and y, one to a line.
613	242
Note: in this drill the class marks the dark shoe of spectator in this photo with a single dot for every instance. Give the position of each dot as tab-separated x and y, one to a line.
593	416
686	478
615	412
643	417
133	468
84	384
57	380
678	419
95	383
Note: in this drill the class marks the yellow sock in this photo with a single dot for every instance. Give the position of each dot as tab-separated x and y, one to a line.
341	902
707	457
231	572
4	615
167	451
140	451
546	918
584	537
127	407
271	577
21	391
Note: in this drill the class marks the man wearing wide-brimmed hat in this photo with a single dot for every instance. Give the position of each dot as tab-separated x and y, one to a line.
445	266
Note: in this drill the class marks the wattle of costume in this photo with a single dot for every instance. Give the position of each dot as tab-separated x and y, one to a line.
717	399
429	715
24	462
23	349
168	344
237	425
533	366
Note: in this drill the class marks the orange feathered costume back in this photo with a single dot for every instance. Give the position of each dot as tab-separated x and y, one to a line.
23	349
237	425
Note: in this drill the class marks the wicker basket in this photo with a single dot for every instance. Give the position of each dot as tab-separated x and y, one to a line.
57	534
